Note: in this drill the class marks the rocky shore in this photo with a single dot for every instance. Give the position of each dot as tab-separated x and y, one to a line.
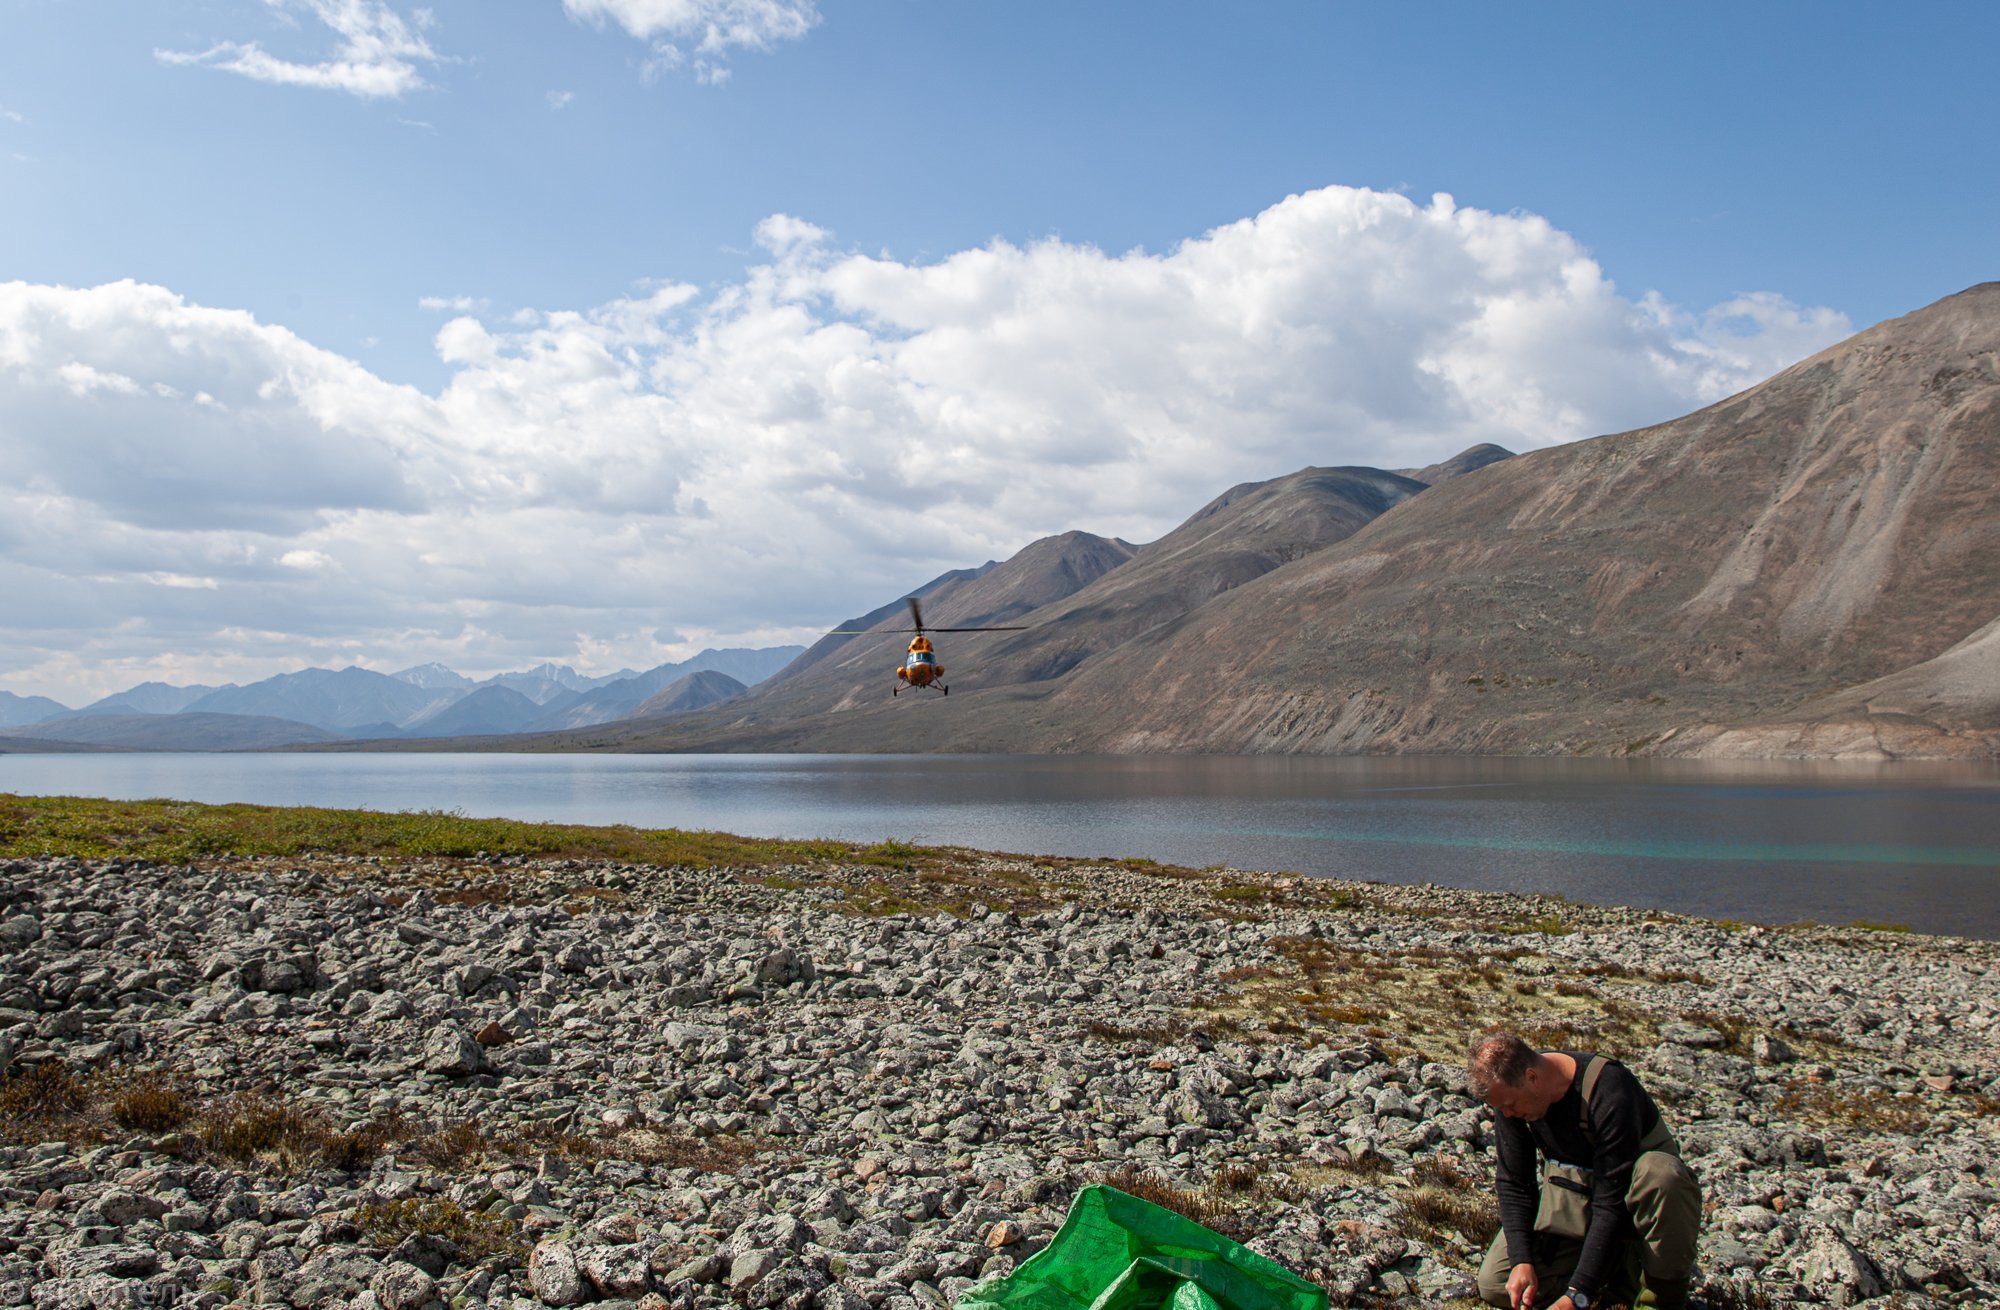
335	1081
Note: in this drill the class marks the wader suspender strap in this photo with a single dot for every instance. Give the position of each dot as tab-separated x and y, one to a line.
1660	1139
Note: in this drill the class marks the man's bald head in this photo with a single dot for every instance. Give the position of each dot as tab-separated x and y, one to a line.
1498	1060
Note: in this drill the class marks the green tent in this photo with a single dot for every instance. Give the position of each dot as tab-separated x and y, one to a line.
1117	1252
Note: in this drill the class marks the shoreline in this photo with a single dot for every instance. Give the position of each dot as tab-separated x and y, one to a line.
861	1080
1849	846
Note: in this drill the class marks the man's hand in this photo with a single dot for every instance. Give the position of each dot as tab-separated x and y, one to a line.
1521	1288
1564	1303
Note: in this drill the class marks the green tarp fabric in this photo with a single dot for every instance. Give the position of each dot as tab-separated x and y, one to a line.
1117	1252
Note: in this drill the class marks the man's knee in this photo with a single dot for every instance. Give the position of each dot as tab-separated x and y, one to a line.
1493	1273
1662	1184
1665	1201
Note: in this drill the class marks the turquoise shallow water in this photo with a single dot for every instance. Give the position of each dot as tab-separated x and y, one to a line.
1910	844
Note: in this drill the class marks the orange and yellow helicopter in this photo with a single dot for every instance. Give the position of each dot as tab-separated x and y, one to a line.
920	668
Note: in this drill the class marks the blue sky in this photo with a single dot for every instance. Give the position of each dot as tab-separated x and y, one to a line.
348	331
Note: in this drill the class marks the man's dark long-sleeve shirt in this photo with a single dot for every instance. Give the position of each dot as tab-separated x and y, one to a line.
1621	1113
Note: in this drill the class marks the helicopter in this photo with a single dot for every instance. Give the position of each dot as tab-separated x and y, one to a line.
920	668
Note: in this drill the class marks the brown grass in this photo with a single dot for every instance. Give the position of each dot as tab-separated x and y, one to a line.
1434	1215
1367	1165
1737	1296
46	1095
1234	1203
1153	1035
261	1130
478	1237
151	1101
1830	1104
267	1131
1423	1000
1736	1033
1444	1203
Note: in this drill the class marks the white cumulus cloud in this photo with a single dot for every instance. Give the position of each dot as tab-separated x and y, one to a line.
168	414
788	449
379	55
701	33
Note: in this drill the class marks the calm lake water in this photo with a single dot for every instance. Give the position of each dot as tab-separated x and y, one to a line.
1772	843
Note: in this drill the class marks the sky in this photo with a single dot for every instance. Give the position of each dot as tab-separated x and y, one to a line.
600	331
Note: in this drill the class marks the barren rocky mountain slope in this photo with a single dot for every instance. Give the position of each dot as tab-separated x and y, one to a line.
1811	567
1702	585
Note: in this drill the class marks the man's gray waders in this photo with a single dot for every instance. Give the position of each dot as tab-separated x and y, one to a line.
1664	1199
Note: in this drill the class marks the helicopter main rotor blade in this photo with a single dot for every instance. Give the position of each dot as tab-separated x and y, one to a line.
916	614
897	632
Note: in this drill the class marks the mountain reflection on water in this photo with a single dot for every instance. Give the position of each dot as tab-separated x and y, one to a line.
1908	843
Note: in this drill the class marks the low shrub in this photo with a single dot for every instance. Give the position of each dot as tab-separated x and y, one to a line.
150	1102
1444	1202
42	1102
1433	1215
1232	1203
478	1237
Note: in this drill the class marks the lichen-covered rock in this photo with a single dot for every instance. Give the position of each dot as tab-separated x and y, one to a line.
555	1275
399	1286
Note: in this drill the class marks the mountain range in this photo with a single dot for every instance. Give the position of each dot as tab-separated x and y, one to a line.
1809	568
315	706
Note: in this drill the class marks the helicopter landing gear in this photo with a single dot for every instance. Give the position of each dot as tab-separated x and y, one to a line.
946	690
896	690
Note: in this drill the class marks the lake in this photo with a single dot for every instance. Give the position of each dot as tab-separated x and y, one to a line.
1916	844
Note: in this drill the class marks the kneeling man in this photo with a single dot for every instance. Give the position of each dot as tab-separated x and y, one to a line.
1615	1200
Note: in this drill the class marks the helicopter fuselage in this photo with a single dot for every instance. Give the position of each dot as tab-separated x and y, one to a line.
920	667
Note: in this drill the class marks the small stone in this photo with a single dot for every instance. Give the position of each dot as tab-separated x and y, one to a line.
1004	1233
702	1269
1838	1273
493	1035
399	1286
451	1053
615	1271
1692	1034
781	968
748	1269
21	930
120	1208
1766	1049
554	1274
426	1251
116	1261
